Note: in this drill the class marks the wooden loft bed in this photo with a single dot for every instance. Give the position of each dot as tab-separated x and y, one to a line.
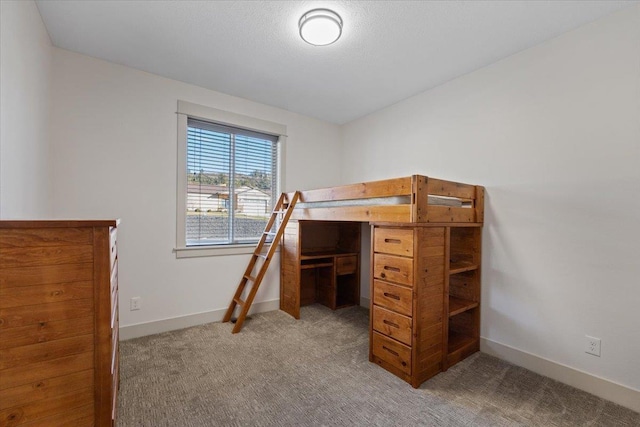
412	199
425	266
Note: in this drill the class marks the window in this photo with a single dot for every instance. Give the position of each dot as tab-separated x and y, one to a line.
228	179
231	183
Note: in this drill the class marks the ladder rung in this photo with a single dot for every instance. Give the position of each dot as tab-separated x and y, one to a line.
280	212
253	279
263	256
270	233
239	301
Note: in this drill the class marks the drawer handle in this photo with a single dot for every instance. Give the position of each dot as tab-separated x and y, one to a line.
394	325
396	241
396	269
395	353
392	296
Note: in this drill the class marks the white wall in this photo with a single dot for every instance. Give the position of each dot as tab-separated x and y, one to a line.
114	144
25	68
554	134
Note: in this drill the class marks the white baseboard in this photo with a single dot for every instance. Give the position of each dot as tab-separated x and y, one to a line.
365	302
606	389
171	324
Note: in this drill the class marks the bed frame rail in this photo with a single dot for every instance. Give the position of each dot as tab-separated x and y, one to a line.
416	208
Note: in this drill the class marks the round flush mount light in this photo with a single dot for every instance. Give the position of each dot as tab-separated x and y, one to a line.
320	27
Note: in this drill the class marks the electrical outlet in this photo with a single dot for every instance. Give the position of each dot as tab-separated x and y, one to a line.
136	304
592	345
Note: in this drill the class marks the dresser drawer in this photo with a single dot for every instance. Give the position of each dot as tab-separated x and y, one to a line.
393	269
346	264
393	297
114	315
114	289
395	241
392	324
114	349
392	352
113	246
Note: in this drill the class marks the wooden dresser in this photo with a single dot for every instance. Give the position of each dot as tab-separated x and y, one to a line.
58	323
425	287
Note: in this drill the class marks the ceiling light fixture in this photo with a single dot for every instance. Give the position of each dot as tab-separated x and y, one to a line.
320	27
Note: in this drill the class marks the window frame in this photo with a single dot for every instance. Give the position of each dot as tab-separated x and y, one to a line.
194	111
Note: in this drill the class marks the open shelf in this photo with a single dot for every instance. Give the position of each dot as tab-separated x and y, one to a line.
322	264
458	342
459	305
461	267
324	254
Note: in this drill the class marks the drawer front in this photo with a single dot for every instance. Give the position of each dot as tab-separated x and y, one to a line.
393	297
346	264
114	349
113	245
395	241
392	352
392	324
114	283
393	269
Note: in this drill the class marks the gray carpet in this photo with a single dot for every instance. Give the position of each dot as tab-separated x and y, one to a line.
316	372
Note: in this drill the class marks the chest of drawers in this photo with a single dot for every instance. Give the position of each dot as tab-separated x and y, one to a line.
58	322
425	290
407	301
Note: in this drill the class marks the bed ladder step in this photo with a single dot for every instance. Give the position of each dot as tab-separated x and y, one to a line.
282	212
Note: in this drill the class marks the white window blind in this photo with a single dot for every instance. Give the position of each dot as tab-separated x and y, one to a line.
231	183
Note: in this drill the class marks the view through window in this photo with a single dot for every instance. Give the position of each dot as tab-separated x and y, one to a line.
231	183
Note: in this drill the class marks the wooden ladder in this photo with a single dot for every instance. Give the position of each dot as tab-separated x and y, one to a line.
283	207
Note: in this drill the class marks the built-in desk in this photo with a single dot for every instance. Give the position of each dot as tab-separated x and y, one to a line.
330	278
320	264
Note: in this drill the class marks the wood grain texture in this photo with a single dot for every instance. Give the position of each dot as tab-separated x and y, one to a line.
393	297
363	190
392	352
392	324
23	296
393	269
40	352
11	224
46	388
14	317
80	417
45	408
440	187
392	213
45	331
44	255
394	241
44	274
20	375
103	382
29	237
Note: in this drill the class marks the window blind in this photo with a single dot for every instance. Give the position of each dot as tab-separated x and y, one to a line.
231	183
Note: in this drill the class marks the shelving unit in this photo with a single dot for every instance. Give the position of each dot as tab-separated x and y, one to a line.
463	291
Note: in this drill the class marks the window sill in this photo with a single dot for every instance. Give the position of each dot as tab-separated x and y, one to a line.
207	251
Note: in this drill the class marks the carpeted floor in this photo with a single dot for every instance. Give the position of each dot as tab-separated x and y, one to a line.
316	372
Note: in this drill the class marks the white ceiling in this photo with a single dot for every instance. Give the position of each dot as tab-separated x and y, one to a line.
389	50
